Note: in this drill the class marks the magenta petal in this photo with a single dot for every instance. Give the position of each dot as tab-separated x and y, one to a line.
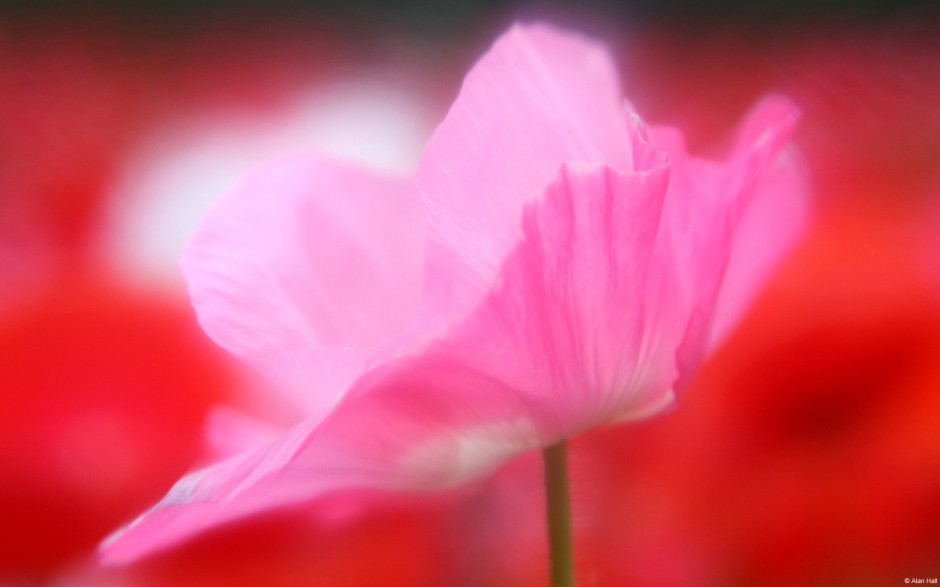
537	99
306	266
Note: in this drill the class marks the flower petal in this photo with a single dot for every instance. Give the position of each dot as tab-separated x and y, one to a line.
707	207
229	490
304	268
231	432
537	99
573	325
777	217
562	344
549	310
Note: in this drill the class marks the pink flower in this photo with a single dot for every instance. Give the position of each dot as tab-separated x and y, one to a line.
551	267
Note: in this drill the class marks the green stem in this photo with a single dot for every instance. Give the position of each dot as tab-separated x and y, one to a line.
559	514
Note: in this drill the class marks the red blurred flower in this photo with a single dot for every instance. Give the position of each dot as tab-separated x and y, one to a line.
104	392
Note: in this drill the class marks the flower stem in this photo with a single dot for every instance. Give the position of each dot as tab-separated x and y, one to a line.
559	514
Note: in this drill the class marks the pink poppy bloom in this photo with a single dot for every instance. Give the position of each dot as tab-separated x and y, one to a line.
552	266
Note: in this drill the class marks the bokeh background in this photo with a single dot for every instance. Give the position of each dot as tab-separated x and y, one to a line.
806	453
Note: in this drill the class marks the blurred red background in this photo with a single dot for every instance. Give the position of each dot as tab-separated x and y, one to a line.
806	453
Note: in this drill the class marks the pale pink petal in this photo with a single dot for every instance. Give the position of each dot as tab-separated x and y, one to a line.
562	344
304	268
704	212
412	424
776	218
537	99
230	432
229	490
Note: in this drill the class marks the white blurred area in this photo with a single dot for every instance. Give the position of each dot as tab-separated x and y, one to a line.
175	174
